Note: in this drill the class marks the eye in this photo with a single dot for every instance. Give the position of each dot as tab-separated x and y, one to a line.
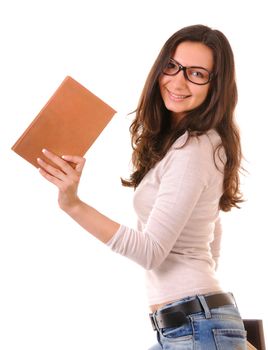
171	65
171	68
197	73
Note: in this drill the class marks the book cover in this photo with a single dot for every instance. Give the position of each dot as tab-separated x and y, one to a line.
69	123
255	334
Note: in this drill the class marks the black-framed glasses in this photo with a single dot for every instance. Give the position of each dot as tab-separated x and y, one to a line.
196	75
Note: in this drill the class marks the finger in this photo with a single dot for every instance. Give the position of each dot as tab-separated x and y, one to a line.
77	160
62	164
50	178
51	170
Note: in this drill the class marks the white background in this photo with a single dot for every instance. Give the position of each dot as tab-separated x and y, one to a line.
59	287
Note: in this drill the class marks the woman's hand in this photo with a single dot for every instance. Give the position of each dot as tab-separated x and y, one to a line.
66	178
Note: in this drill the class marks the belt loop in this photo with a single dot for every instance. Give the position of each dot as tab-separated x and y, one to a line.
234	299
204	305
155	321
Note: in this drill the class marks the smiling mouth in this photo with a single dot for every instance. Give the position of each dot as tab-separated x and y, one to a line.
177	97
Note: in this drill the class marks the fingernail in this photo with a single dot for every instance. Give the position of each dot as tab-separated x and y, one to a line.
44	150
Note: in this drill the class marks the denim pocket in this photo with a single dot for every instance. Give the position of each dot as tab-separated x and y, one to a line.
230	339
181	338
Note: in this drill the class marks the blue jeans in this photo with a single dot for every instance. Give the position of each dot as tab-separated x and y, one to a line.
215	329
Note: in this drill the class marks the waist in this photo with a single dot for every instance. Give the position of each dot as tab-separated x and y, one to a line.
156	307
208	291
172	315
163	283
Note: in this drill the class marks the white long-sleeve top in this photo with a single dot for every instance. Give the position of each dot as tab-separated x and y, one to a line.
177	239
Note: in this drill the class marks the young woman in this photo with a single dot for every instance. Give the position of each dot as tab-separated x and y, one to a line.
186	158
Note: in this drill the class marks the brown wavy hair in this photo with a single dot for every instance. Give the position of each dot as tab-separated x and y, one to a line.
152	133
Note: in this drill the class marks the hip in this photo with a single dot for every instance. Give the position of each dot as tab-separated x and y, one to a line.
211	328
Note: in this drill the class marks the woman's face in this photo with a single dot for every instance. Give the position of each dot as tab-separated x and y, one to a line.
179	94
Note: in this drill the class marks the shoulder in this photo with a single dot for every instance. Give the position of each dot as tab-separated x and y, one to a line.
188	161
209	140
195	154
197	146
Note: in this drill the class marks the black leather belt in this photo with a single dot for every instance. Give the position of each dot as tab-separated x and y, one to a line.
175	316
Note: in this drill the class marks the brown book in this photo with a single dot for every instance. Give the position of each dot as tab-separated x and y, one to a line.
69	123
255	334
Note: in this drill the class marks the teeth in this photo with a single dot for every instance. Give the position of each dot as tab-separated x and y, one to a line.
177	96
